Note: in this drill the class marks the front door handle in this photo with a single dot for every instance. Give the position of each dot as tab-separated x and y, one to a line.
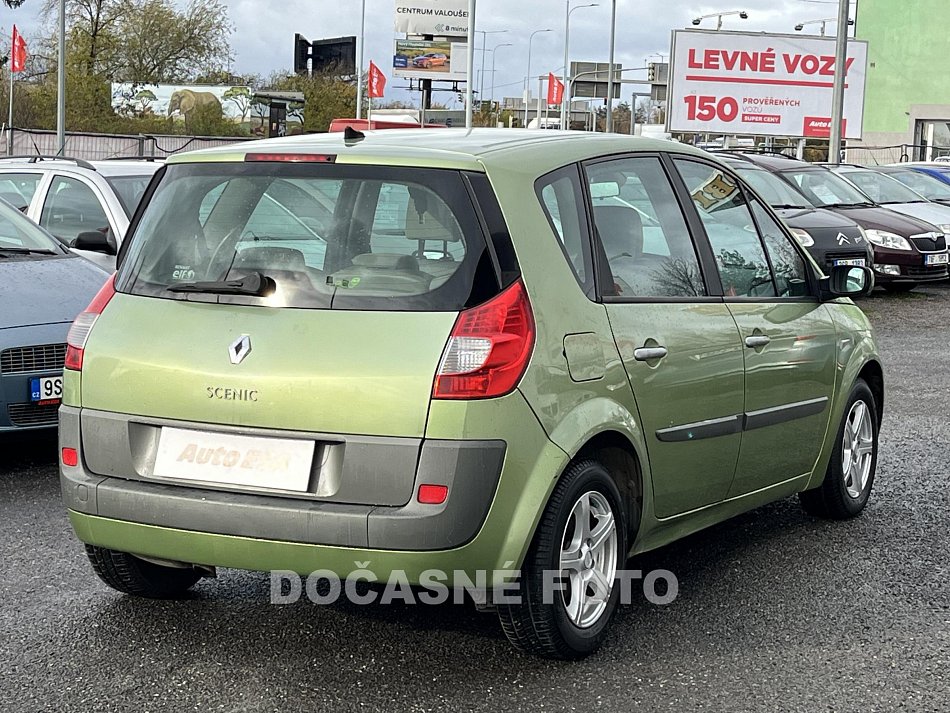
757	341
649	353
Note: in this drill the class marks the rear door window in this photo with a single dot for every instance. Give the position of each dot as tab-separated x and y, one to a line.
330	236
71	208
642	230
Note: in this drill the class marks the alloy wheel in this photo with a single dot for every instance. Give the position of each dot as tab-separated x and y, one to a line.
857	449
588	558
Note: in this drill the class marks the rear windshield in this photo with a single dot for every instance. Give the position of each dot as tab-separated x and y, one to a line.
330	237
130	190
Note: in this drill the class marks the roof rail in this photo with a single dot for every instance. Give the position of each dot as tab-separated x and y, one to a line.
132	158
755	152
35	158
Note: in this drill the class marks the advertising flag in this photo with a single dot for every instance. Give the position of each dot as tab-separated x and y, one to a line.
377	81
555	90
17	52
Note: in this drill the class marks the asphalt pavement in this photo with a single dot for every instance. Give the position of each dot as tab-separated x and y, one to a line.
776	611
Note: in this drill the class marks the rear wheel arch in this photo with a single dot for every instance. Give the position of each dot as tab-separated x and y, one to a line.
617	454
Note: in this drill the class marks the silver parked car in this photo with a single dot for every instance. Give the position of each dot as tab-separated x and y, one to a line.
894	195
87	205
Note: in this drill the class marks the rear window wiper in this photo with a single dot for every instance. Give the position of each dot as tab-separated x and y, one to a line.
255	284
25	251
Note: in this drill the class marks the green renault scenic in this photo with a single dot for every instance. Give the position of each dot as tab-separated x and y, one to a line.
423	352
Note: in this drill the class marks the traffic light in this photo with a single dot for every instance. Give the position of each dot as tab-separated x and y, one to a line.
651	72
301	54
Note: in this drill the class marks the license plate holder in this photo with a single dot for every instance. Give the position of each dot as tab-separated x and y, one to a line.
855	262
232	460
937	259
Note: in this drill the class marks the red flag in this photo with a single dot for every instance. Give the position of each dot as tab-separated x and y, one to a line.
555	90
17	52
377	81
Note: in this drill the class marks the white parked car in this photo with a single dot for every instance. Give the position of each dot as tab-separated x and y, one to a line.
87	205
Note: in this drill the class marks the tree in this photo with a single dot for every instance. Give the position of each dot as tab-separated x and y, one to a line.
241	98
326	97
161	44
145	41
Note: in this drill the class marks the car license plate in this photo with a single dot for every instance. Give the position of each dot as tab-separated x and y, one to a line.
859	262
46	389
938	259
229	459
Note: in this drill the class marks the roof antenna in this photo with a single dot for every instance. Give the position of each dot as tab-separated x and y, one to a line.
351	136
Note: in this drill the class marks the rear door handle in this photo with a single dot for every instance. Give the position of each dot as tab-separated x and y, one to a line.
757	341
649	353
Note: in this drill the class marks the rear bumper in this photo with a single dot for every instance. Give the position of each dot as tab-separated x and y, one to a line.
470	470
138	517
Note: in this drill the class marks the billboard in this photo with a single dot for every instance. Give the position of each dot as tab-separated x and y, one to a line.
432	17
181	100
759	84
419	59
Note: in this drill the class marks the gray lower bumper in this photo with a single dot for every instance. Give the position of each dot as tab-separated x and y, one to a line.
470	469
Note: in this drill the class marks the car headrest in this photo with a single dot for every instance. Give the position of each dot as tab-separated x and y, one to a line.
620	229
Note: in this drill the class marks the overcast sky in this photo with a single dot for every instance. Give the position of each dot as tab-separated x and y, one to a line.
263	36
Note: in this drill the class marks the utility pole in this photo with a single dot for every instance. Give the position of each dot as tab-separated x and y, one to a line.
61	83
359	63
610	67
841	61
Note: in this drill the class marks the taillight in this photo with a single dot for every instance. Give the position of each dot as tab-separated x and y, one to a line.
489	348
82	325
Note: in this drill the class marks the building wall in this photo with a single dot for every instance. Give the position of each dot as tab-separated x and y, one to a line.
908	77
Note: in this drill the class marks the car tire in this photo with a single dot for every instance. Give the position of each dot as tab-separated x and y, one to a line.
900	287
566	626
847	485
132	575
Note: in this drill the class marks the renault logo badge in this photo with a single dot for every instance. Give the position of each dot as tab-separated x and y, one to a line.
239	349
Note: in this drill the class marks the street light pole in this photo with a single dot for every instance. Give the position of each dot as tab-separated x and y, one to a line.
527	80
610	67
566	99
359	62
492	99
61	83
470	69
841	60
481	85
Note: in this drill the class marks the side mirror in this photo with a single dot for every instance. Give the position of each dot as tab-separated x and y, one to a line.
94	241
847	281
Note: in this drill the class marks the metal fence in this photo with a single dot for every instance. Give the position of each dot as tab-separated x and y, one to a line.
24	142
899	153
